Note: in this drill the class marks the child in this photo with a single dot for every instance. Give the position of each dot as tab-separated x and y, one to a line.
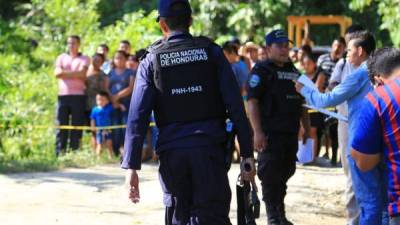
121	81
101	117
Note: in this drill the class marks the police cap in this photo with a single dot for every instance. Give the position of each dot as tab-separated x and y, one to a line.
276	36
165	8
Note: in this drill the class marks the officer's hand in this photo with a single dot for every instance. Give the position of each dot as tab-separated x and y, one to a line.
114	98
132	184
299	86
260	141
122	107
248	169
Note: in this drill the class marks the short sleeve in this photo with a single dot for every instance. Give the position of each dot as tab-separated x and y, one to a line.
133	74
93	114
58	63
320	60
255	84
110	109
336	75
368	130
85	62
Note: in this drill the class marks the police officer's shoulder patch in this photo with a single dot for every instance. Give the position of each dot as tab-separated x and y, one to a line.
254	80
157	44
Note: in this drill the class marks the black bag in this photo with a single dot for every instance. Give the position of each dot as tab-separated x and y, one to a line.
248	204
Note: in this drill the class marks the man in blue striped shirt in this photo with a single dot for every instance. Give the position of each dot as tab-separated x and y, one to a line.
377	128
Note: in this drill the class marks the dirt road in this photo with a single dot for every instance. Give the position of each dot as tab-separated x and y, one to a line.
95	196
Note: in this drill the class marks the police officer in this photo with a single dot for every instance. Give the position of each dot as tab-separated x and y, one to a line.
275	111
190	85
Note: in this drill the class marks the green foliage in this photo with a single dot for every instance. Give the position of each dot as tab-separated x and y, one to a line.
110	11
389	10
139	29
28	88
252	19
248	20
79	159
8	8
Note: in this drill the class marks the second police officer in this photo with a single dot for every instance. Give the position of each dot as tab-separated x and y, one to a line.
275	110
190	85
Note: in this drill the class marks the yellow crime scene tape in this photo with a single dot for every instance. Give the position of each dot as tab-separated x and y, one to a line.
70	127
65	127
332	109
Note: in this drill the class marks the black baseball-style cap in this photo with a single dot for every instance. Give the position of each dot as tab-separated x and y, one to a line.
165	8
276	36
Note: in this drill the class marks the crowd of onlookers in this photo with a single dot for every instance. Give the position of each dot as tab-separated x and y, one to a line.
96	92
321	70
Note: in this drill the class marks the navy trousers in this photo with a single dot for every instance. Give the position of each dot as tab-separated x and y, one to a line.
195	185
276	164
70	111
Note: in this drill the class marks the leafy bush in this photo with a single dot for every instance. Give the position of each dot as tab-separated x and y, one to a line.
28	88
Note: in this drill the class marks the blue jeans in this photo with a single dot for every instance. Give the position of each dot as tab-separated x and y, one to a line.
370	189
118	135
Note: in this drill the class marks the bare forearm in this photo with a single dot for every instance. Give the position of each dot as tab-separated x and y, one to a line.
106	85
75	74
321	82
254	114
125	92
365	162
305	120
93	125
59	73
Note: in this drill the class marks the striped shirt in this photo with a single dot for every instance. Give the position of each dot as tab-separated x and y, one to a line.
327	64
378	131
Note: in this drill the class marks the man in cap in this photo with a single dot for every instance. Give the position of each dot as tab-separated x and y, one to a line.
275	110
190	85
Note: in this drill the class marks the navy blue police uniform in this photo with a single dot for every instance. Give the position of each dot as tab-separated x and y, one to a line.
191	87
280	112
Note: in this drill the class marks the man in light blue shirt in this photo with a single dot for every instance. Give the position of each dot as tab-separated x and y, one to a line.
368	187
343	68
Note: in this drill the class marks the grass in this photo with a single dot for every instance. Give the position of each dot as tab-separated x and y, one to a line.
27	165
80	159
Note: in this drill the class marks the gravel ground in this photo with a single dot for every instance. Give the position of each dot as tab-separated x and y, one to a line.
96	196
